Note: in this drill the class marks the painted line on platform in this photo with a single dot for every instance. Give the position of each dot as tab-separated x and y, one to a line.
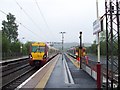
26	81
67	73
75	62
45	78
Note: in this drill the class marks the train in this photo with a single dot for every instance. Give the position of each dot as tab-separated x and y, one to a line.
75	53
40	53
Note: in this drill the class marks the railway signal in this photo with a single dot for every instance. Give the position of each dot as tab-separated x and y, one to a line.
80	49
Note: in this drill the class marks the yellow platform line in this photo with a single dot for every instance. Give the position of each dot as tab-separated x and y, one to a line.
75	62
45	78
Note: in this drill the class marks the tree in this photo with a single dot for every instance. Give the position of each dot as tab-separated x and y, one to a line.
27	45
103	47
0	36
15	47
0	45
10	28
103	42
92	49
103	36
5	44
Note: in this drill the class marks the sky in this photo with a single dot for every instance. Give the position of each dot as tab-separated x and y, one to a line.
43	20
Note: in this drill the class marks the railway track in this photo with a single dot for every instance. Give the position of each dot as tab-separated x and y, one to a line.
9	65
92	64
14	82
15	72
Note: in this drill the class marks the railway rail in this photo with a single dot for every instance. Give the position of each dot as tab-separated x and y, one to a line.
16	72
92	64
12	65
13	71
14	82
6	62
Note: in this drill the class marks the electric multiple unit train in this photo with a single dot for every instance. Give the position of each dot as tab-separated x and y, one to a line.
40	53
75	52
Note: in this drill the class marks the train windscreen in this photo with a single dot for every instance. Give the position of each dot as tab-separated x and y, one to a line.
38	49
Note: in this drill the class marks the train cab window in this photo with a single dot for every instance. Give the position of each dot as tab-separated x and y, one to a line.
38	49
41	49
34	48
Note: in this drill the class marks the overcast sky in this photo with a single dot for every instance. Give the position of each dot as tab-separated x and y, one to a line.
44	19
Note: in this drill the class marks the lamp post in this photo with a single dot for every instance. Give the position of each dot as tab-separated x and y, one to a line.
80	49
62	41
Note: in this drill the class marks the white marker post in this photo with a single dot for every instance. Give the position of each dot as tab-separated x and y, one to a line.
96	30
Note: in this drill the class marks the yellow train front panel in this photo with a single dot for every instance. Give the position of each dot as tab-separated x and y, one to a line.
37	55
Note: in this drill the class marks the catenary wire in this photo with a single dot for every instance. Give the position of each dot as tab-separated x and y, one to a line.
42	16
22	25
28	16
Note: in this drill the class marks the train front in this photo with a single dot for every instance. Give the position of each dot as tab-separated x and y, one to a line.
38	54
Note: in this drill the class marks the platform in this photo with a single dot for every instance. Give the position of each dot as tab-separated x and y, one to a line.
64	74
76	78
14	59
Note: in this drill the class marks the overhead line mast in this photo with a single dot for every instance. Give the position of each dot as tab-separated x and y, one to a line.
112	13
62	42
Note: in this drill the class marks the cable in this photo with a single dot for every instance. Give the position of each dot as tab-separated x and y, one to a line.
26	28
21	24
26	13
43	16
3	12
28	16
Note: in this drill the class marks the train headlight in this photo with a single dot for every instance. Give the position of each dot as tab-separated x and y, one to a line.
30	56
45	56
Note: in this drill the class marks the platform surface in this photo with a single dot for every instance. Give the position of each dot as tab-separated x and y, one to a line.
80	78
60	74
